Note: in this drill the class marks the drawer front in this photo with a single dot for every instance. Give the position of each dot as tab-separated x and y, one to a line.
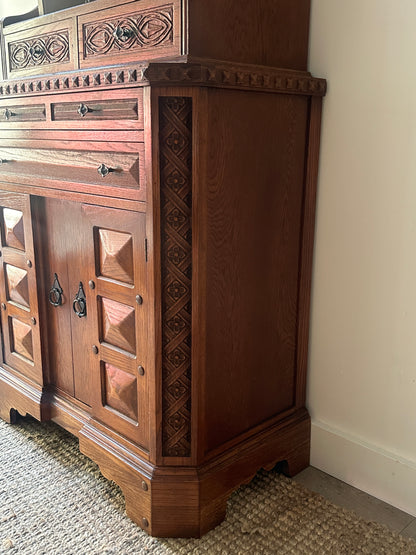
42	49
99	168
35	112
125	34
117	109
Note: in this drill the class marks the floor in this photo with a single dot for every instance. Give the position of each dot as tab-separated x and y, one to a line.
361	503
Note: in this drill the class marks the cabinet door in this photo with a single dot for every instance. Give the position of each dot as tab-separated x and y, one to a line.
66	266
18	288
115	241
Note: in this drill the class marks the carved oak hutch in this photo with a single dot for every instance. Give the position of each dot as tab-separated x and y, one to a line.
158	175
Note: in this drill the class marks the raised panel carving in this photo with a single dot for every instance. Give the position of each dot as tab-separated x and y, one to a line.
140	30
118	325
176	210
14	235
120	391
43	49
116	255
21	339
17	285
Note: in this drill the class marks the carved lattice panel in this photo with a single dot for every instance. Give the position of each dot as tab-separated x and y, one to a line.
21	339
38	51
116	255
14	235
176	226
17	285
120	391
139	30
118	321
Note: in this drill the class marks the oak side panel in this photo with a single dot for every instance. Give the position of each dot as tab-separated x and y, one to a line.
254	195
265	32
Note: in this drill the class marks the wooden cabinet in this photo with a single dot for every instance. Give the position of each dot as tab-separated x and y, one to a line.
156	228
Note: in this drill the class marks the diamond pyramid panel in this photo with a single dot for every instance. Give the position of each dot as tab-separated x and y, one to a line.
119	325
116	255
22	339
17	285
120	391
14	234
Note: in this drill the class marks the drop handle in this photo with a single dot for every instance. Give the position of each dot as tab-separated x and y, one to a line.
104	170
80	302
55	293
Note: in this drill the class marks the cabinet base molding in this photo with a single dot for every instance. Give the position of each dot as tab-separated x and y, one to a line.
19	396
189	501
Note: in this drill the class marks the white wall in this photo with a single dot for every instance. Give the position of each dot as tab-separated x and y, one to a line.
16	7
362	381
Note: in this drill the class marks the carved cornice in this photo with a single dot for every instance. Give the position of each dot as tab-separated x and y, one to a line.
220	75
227	75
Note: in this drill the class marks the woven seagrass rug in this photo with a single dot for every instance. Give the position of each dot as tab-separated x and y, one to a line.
54	501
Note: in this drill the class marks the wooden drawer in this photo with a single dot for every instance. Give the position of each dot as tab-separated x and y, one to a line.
42	49
92	109
132	32
19	113
99	168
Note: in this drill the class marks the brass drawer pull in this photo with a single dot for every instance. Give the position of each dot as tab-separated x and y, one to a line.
55	294
122	33
7	114
104	170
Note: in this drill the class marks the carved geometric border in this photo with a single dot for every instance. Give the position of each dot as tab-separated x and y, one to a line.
224	75
175	136
75	81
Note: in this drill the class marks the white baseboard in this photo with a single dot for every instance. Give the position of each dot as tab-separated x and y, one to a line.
374	470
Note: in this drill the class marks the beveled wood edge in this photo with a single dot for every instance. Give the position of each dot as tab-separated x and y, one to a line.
172	73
